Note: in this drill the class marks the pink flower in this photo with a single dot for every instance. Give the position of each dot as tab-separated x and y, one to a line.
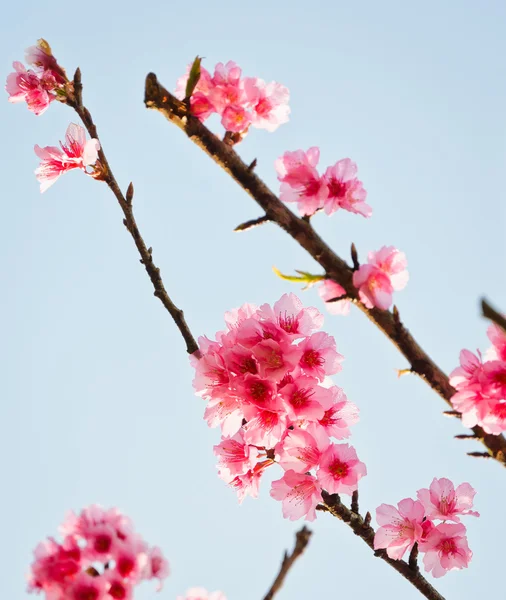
275	359
235	455
202	594
269	103
442	501
264	427
156	567
235	118
291	316
201	106
41	57
319	356
446	549
226	89
340	470
76	153
345	190
340	416
87	587
400	527
27	86
377	280
301	450
300	181
299	493
330	290
304	399
498	338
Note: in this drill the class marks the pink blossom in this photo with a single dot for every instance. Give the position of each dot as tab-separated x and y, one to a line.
330	290
340	416
87	587
291	316
34	89
264	427
41	57
201	106
498	338
269	103
235	118
300	181
319	356
275	359
204	84
156	566
202	594
226	88
377	280
345	190
340	470
300	494
246	484
226	412
446	549
304	399
442	501
76	153
235	455
401	527
301	450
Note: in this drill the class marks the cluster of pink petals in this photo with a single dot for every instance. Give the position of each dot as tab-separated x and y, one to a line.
414	522
481	385
337	188
202	594
75	153
240	101
384	273
100	558
266	383
39	86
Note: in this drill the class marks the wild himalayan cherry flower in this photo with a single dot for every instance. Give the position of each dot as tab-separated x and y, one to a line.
38	87
340	470
481	388
498	338
100	558
202	594
75	153
443	501
345	190
445	549
300	494
330	290
384	273
239	101
300	181
400	527
265	380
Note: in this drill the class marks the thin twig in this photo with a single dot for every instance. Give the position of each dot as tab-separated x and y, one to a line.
301	541
494	316
125	203
158	98
362	529
252	223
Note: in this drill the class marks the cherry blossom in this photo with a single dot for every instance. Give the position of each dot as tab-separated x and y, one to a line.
339	470
300	493
377	280
330	290
101	557
446	549
443	501
75	153
401	527
345	190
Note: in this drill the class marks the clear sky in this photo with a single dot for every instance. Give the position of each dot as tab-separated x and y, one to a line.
97	403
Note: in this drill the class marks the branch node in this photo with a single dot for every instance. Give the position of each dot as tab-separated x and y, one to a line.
252	165
354	257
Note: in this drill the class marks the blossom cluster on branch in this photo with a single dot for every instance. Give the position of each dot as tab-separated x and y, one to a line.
241	102
265	382
101	557
481	385
414	522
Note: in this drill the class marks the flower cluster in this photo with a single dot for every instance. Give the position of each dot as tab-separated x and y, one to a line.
265	380
202	594
39	86
240	101
75	153
414	522
481	385
337	188
100	558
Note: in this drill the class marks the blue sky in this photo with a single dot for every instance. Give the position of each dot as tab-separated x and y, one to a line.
97	403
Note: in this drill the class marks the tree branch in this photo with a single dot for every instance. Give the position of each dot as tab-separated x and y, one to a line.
158	98
301	541
362	528
491	314
125	203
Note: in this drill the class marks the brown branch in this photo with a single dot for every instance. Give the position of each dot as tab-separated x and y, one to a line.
494	316
301	541
158	98
75	101
362	528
